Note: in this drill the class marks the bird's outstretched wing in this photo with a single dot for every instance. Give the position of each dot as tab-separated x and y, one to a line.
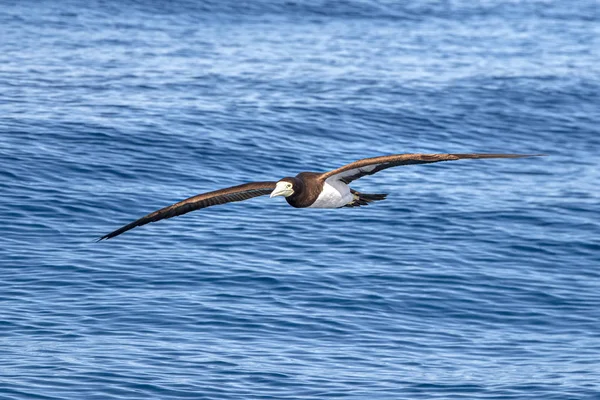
222	196
370	166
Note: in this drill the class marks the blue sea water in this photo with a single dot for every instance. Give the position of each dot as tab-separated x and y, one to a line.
475	279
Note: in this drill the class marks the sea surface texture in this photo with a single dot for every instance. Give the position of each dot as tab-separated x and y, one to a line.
475	279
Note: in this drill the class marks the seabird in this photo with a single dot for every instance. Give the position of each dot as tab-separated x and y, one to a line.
307	189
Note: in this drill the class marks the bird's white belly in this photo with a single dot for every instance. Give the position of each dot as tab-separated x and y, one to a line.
335	194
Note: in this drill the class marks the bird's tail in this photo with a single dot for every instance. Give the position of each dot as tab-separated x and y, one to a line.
363	199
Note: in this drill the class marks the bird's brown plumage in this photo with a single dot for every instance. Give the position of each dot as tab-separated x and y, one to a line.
222	196
360	168
307	188
307	185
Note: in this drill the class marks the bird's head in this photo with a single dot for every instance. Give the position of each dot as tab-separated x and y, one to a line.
285	187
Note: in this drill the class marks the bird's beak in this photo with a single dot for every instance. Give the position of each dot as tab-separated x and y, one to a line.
281	190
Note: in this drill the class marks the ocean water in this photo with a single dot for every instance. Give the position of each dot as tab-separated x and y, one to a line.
475	279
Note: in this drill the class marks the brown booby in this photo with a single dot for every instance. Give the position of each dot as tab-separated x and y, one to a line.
307	189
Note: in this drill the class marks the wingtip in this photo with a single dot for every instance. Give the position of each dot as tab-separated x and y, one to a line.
530	155
105	237
509	155
526	155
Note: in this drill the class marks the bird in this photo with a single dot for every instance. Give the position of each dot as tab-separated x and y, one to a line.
308	189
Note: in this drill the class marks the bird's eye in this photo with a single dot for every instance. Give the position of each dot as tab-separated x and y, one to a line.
289	185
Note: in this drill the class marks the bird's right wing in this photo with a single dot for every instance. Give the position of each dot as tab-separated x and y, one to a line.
228	195
370	166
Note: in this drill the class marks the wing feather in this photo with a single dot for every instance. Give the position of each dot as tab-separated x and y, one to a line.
222	196
370	166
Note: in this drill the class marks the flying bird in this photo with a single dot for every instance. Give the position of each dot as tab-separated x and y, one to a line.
307	189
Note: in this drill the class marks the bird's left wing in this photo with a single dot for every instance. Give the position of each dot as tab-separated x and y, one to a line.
222	196
370	166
